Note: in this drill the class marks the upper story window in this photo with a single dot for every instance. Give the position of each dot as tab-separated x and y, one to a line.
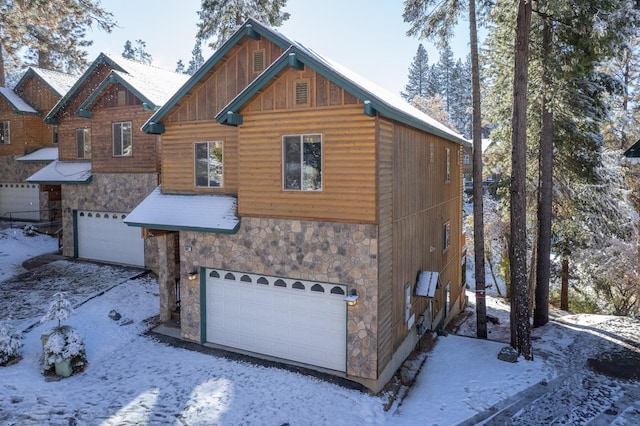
446	230
83	143
4	133
122	139
466	159
302	162
54	134
209	164
447	159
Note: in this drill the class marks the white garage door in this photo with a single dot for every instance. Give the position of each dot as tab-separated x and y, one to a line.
285	318
104	236
20	201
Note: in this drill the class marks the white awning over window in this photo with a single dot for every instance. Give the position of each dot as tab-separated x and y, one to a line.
175	212
427	283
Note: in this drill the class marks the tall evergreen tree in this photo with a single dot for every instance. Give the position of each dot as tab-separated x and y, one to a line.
196	59
220	18
437	19
444	74
180	68
138	53
420	78
53	31
460	107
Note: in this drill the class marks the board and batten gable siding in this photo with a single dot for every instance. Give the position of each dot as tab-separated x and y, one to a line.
145	157
88	86
226	79
38	94
178	157
422	203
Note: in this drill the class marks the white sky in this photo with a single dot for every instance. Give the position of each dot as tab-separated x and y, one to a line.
366	37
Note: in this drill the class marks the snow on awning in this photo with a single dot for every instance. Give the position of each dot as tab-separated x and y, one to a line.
427	283
42	154
173	212
63	172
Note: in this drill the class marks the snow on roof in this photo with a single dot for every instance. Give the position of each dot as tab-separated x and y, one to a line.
42	154
156	87
427	283
59	81
212	213
63	172
19	105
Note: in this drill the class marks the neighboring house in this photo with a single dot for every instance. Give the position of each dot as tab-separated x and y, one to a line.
319	217
27	143
106	164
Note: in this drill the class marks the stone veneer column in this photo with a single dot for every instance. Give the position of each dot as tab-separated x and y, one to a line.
328	252
166	274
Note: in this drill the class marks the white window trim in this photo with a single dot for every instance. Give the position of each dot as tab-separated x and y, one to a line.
84	142
113	140
195	177
446	235
447	160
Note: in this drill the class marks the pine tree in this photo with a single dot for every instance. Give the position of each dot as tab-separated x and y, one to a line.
138	53
460	107
420	78
196	59
180	68
53	31
437	19
220	18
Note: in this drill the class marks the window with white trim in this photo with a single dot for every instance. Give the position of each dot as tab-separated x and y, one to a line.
446	231
302	162
83	143
209	166
122	139
4	133
447	155
466	159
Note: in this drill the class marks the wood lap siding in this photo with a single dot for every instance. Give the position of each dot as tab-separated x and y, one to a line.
223	83
178	156
385	243
349	165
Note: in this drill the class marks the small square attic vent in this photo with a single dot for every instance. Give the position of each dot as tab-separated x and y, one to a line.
427	283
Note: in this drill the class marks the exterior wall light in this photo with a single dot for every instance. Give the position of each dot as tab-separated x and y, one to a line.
352	298
193	275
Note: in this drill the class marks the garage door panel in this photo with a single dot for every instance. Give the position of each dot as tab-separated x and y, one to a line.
105	237
285	322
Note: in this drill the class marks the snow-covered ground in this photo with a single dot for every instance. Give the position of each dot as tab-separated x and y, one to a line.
133	379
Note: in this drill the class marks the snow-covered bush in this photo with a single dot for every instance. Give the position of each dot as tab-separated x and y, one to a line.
63	342
59	309
10	344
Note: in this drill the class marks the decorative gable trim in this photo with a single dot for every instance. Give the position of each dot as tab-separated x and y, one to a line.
112	78
251	29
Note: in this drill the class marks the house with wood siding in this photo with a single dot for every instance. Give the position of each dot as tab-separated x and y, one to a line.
27	144
106	164
319	217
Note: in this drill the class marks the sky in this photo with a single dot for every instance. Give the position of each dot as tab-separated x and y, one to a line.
369	40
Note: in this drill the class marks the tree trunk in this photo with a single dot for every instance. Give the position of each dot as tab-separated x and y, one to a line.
545	192
478	205
520	326
564	286
3	81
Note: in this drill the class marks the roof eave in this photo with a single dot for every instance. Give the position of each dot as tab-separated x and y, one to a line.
84	109
234	230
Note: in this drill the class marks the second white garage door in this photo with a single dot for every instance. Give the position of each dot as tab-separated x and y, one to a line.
104	236
281	317
20	201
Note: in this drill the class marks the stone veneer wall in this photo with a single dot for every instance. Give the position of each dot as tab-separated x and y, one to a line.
12	170
118	192
316	251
